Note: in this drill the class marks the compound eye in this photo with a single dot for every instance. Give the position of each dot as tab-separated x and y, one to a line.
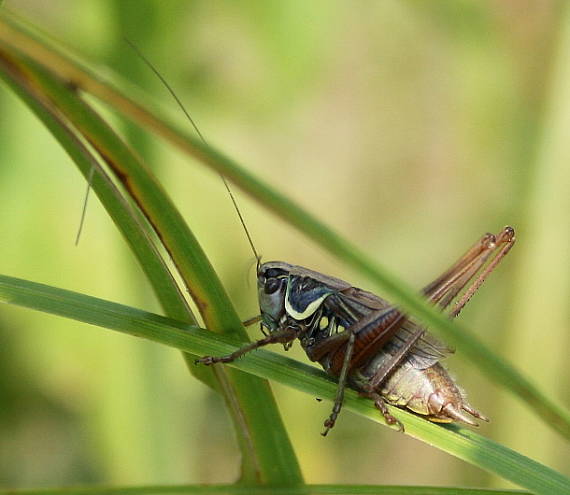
272	285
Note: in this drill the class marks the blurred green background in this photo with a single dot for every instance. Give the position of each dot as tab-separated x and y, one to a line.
412	127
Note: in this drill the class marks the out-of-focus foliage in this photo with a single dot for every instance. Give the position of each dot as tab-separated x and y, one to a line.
411	127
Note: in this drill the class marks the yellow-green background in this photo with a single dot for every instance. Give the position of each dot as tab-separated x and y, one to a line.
412	127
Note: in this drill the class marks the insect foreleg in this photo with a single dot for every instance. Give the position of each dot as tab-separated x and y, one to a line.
330	421
279	336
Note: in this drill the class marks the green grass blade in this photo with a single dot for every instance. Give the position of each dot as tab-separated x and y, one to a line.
266	458
257	490
457	441
496	368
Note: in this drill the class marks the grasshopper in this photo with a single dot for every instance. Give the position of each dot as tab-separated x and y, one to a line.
363	340
368	343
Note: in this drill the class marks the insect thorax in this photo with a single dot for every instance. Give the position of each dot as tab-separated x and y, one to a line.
292	297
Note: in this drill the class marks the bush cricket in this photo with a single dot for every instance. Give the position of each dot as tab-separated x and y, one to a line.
368	343
360	338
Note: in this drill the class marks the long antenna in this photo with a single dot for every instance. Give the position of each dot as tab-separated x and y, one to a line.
191	120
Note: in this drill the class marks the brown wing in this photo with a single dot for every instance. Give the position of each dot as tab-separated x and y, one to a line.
378	324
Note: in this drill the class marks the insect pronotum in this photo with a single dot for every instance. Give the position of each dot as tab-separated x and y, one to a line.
362	339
